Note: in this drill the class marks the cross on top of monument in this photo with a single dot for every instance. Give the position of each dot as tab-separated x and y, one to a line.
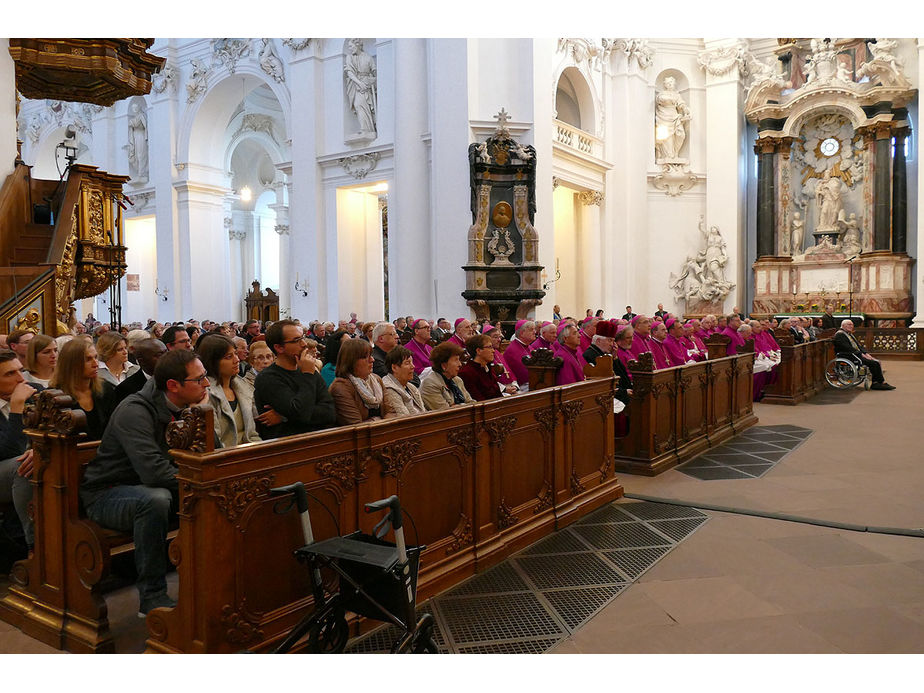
502	119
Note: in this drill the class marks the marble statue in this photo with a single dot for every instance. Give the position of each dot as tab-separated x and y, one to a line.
850	242
884	67
138	143
270	62
798	233
828	201
671	113
198	80
359	72
705	273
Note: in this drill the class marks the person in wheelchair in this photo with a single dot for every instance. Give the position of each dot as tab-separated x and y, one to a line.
845	344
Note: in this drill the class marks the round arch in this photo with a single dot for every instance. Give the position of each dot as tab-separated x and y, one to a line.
806	111
583	91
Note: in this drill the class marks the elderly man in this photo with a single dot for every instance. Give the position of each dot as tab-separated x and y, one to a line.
660	312
524	334
673	343
572	369
241	349
384	339
846	343
602	342
641	335
547	336
659	353
419	346
588	329
732	323
463	330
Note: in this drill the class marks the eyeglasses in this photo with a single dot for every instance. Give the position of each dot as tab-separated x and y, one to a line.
202	378
296	340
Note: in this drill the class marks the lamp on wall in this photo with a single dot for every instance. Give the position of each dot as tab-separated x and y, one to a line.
161	292
302	287
246	194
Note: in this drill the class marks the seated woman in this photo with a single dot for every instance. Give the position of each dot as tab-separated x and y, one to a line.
331	351
478	374
358	393
506	377
76	375
229	395
400	394
442	387
259	356
41	357
114	367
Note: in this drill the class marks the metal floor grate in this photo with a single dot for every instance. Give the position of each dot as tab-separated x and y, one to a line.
747	456
534	599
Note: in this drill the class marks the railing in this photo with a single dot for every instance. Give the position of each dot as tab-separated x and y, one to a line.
579	140
903	343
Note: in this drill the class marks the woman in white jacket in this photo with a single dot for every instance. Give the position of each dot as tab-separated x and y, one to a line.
400	395
229	395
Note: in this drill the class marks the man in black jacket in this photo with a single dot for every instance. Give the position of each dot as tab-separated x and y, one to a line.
292	386
846	343
131	484
15	458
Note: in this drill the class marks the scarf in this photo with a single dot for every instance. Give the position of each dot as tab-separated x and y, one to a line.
457	396
370	391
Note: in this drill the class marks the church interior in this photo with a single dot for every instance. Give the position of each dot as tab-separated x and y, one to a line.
499	180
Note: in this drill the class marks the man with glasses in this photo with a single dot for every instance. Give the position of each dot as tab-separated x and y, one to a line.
419	346
176	337
477	374
131	484
292	385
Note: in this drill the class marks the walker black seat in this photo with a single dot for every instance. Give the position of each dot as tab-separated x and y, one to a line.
384	557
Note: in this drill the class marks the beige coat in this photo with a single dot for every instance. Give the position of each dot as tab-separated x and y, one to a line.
224	417
403	402
436	394
350	407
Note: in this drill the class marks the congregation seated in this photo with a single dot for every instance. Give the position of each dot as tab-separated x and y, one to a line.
175	337
419	346
442	387
251	331
566	348
662	358
259	356
588	330
732	323
673	343
147	352
195	334
357	392
401	395
846	344
463	330
291	386
114	366
41	357
230	396
478	373
131	485
242	349
77	375
504	374
15	454
132	338
695	347
18	342
547	337
331	350
523	336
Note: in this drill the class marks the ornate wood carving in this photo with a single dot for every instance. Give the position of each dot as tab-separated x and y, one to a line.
543	358
644	363
462	535
605	467
571	411
546	498
605	402
340	468
499	429
52	411
238	629
396	456
505	516
194	430
746	348
547	417
235	496
576	485
464	437
191	496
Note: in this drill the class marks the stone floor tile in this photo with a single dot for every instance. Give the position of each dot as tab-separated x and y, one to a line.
887	583
870	630
827	550
806	590
707	599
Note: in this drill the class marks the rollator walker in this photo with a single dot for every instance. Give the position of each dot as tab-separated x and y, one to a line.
377	579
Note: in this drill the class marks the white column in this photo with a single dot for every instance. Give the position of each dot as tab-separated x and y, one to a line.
543	64
7	110
726	188
916	288
449	216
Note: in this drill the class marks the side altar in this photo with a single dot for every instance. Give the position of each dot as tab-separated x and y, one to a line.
832	189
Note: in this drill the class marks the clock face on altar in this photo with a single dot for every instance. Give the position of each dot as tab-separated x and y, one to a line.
829	147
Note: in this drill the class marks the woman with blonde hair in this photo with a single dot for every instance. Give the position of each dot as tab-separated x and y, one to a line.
41	357
358	393
76	375
259	356
114	367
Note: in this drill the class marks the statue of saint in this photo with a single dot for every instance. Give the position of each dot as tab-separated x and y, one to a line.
137	143
850	242
670	115
360	74
798	233
828	201
270	62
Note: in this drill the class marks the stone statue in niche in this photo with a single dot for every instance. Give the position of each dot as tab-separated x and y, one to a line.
360	75
706	272
501	246
137	143
671	115
798	233
850	243
828	202
270	62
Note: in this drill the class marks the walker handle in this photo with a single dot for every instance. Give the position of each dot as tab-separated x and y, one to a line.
394	508
298	489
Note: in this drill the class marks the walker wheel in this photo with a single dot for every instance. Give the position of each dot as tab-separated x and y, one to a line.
330	634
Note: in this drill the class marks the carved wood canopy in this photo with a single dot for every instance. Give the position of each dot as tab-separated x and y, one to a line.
96	70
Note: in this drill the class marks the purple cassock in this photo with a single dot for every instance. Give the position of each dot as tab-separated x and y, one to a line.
703	334
585	341
626	355
513	357
540	343
676	350
507	377
693	351
640	344
661	357
736	340
572	370
421	355
457	340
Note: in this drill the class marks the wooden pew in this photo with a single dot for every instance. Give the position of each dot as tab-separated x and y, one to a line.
801	372
57	595
676	413
479	482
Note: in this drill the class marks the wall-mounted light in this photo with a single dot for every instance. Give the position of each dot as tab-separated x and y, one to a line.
161	292
246	194
301	287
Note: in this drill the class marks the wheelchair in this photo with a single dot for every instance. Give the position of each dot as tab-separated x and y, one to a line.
846	370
